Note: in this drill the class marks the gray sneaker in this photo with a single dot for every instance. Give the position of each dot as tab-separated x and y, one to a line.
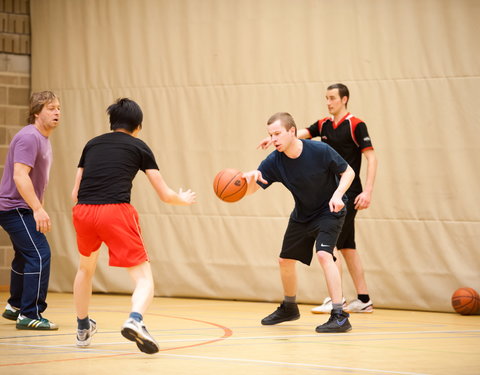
84	336
136	331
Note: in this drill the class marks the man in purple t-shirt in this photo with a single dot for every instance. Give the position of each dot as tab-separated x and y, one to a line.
22	215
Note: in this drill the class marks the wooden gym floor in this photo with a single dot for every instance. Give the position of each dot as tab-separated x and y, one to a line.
225	337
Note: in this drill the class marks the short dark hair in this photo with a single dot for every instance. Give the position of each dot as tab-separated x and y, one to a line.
342	90
37	102
285	118
125	114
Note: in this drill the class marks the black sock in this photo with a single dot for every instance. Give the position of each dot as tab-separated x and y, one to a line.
364	298
83	323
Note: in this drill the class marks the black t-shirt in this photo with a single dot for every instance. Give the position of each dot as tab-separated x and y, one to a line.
349	138
110	162
312	178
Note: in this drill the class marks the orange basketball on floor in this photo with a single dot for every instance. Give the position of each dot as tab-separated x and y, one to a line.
466	301
229	185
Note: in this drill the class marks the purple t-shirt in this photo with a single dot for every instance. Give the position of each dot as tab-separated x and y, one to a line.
32	148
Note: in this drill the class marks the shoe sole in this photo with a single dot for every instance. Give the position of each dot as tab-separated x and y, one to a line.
368	310
144	344
334	330
10	317
37	328
281	321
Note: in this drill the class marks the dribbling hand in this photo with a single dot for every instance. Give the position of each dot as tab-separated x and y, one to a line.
254	176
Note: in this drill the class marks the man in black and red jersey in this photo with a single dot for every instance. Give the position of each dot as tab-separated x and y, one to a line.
348	135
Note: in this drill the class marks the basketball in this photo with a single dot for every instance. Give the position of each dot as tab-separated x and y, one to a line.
229	185
466	301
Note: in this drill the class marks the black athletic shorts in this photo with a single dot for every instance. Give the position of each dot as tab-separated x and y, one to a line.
322	231
346	239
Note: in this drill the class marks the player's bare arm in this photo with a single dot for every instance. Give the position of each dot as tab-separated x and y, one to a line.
166	194
303	134
76	186
336	202
363	200
25	187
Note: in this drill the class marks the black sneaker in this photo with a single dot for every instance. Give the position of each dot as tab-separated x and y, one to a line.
338	322
285	312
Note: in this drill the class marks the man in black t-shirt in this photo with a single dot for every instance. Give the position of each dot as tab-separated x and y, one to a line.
348	135
103	213
318	177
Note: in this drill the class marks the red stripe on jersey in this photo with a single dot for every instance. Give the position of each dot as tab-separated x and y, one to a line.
320	124
353	125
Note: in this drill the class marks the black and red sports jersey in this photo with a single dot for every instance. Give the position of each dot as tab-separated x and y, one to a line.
349	138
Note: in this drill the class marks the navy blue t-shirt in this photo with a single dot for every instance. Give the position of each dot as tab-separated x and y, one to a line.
312	178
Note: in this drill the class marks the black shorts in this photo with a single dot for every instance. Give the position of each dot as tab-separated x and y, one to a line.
346	239
323	231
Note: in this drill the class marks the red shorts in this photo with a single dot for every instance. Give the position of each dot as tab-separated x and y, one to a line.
115	224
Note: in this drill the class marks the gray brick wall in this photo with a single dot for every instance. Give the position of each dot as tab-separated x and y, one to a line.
14	94
15	26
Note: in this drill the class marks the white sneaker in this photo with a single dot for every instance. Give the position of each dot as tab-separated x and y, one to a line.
357	306
136	331
326	306
84	336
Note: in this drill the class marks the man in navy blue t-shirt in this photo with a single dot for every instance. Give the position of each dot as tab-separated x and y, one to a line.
318	177
348	135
